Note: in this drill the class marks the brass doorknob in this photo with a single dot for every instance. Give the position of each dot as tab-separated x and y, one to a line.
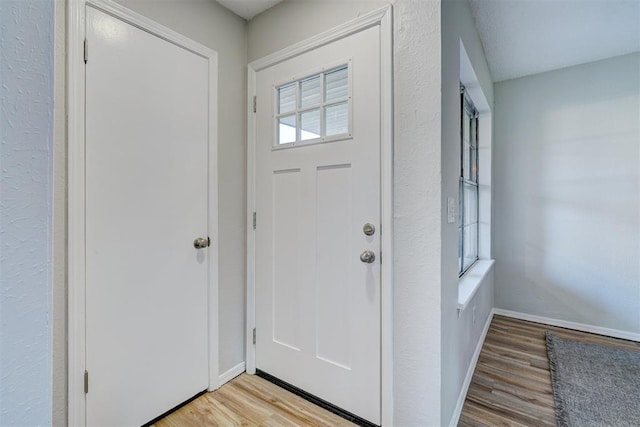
367	257
200	243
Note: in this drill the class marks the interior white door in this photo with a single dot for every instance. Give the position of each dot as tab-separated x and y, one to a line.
318	174
146	201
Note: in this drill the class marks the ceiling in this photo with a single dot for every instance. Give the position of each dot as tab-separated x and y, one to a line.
523	37
248	8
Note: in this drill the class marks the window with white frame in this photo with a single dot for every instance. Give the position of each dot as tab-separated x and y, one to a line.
315	108
468	224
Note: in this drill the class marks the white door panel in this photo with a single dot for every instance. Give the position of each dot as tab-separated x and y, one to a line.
317	304
146	201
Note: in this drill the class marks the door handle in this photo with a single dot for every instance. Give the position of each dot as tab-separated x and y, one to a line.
201	243
367	257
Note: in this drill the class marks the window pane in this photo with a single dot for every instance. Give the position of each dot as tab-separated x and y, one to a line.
473	133
287	98
466	123
336	119
460	249
473	164
336	84
466	161
310	125
470	245
310	92
470	203
286	129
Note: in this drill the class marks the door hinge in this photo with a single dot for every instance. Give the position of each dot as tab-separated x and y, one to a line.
255	104
86	51
254	220
86	382
254	336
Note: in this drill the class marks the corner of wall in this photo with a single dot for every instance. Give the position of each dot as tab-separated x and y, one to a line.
461	331
59	293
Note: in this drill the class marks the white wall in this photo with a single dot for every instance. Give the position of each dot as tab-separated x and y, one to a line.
567	194
26	126
417	206
299	20
59	300
460	335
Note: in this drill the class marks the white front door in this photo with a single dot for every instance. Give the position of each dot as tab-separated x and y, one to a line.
318	209
147	124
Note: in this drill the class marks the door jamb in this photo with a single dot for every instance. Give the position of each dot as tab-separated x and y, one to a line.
383	18
76	367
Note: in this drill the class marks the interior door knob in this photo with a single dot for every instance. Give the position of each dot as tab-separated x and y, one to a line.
367	257
200	243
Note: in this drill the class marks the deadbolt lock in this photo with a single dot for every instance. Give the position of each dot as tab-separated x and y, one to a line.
369	229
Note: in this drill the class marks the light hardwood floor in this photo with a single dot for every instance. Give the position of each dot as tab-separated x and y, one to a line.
511	385
251	401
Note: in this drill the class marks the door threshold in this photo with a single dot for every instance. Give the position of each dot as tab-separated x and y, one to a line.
316	400
175	408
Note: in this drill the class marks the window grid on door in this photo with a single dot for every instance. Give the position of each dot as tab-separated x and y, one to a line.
315	108
468	193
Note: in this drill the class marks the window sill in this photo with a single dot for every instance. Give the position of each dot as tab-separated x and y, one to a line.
471	280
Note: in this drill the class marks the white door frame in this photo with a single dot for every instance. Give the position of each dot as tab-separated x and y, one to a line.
76	191
383	18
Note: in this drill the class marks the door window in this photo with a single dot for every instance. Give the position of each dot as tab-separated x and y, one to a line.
316	108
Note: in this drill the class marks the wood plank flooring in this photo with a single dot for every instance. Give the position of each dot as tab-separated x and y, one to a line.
511	385
251	401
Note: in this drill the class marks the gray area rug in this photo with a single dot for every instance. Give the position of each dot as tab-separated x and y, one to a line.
594	385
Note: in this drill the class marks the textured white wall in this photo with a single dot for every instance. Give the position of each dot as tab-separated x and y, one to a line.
26	103
567	194
294	23
59	300
206	22
460	336
417	207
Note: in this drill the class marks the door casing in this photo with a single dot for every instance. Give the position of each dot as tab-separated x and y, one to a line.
76	192
381	17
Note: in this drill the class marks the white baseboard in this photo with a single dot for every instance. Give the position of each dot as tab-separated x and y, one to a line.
231	374
616	333
472	367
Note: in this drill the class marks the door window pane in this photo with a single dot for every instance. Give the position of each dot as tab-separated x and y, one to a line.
337	119
310	125
287	98
310	92
336	86
286	129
